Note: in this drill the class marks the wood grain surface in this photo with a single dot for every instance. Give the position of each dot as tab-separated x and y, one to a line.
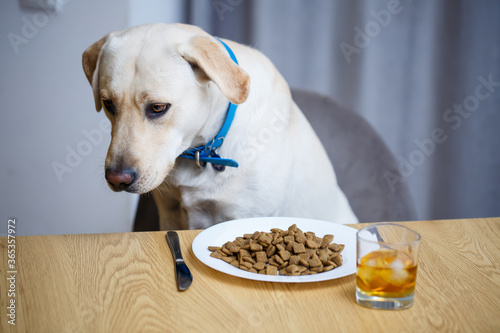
125	283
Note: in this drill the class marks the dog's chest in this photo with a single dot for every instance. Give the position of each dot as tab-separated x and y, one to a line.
194	204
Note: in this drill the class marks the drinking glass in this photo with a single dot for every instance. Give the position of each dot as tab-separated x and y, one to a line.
386	273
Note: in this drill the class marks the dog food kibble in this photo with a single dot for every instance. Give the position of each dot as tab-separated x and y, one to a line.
287	252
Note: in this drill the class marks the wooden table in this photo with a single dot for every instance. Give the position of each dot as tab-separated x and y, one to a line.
125	283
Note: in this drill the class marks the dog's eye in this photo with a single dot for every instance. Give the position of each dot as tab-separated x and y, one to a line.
157	109
160	107
108	104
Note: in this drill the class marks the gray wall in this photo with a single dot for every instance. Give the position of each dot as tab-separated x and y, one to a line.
48	119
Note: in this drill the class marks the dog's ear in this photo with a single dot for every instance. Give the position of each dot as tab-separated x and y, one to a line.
90	63
205	54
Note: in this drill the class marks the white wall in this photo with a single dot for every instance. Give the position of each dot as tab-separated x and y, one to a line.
47	117
152	11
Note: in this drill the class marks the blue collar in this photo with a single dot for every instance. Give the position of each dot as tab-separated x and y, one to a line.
208	153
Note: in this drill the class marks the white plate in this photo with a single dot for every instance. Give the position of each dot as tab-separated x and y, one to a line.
220	233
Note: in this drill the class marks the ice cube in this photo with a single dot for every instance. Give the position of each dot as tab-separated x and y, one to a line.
372	278
386	257
371	263
397	263
399	276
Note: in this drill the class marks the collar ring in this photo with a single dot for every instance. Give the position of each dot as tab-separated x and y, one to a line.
199	164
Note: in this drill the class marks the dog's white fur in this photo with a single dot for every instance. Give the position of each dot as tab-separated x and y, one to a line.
284	170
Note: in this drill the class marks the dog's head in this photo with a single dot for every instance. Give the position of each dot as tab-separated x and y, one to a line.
155	83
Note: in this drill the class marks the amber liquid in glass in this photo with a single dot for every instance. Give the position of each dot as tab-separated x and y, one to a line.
386	273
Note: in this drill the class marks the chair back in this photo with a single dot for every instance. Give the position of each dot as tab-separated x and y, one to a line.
365	167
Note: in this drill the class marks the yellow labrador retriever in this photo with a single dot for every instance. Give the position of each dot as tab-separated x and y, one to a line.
209	127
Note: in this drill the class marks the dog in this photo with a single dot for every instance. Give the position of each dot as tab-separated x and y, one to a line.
167	90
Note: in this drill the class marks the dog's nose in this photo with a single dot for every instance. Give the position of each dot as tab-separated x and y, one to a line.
120	179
